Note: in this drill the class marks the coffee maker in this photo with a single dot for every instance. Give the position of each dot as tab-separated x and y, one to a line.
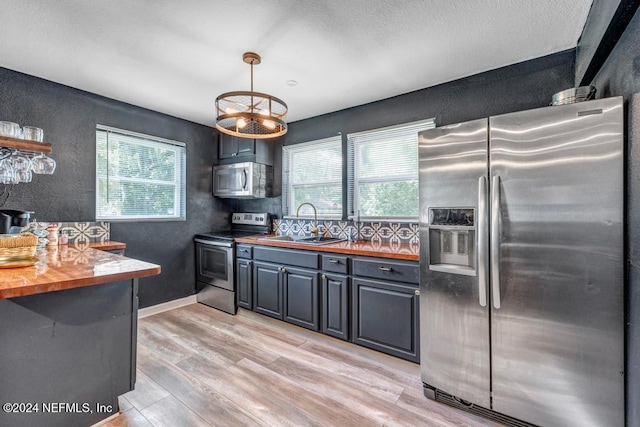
12	221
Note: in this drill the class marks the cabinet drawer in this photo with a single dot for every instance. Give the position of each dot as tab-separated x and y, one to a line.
244	251
286	256
379	268
336	264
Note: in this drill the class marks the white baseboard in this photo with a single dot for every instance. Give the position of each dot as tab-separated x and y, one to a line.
166	306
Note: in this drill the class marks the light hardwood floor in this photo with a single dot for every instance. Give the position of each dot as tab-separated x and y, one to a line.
198	366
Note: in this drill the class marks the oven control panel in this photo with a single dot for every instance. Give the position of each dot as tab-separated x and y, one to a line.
250	218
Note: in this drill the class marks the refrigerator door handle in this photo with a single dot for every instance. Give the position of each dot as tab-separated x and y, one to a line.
495	241
482	248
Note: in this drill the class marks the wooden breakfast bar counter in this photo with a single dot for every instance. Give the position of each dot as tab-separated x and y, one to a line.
68	335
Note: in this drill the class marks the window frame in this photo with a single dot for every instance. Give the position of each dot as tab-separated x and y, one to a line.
179	181
287	195
353	180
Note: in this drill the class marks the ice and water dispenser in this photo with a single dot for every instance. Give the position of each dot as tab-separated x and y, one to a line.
452	235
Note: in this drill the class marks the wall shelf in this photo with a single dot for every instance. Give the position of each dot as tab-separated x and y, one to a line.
25	145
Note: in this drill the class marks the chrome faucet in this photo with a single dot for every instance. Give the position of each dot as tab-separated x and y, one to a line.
314	230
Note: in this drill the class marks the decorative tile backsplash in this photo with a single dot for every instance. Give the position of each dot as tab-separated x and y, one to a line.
393	232
80	232
85	232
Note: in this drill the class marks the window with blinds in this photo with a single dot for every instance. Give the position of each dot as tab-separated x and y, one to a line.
383	172
312	172
139	177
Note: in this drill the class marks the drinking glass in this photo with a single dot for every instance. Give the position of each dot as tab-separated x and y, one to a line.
10	129
32	133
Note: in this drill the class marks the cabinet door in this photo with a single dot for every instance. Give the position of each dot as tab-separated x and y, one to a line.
335	305
267	289
228	146
245	146
385	317
233	146
301	297
244	283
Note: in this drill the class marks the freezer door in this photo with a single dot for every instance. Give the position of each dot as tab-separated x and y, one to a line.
557	264
454	322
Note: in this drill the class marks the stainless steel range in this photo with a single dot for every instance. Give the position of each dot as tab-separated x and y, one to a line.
215	259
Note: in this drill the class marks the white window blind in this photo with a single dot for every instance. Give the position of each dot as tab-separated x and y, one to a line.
312	172
139	176
383	172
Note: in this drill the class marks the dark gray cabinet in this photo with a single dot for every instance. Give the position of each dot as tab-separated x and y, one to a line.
244	283
335	305
233	149
369	301
385	317
286	293
385	306
301	297
233	146
267	289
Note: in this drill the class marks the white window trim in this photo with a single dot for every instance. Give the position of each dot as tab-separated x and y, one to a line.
287	201
180	184
353	195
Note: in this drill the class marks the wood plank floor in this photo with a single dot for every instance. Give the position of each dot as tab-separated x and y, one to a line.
198	366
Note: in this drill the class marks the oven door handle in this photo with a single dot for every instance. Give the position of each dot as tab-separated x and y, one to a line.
210	243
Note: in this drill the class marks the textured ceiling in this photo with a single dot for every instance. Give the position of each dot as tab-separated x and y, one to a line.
176	57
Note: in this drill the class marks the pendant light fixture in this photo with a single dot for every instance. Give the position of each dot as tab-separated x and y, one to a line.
249	114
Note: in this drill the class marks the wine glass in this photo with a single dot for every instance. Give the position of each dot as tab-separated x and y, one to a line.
7	174
41	164
20	161
23	175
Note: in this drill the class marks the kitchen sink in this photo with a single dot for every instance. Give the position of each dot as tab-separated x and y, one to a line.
322	240
309	240
285	238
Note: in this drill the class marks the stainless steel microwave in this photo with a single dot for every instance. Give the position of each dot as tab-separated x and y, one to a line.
246	180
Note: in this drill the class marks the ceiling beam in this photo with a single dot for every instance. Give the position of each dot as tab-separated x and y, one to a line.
605	24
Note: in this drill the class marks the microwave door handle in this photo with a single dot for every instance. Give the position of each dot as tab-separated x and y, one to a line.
482	248
246	178
495	241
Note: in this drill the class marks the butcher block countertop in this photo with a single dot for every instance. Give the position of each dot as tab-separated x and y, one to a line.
72	266
392	250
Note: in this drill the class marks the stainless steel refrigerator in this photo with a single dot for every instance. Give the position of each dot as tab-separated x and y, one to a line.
521	240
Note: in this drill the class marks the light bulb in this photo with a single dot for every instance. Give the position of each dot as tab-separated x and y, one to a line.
241	122
269	124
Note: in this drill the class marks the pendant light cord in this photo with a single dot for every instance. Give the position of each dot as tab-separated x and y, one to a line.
251	85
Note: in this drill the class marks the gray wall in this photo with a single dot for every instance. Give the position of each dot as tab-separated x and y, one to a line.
522	86
69	117
620	76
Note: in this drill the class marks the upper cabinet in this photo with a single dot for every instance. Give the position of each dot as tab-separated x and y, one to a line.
232	149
